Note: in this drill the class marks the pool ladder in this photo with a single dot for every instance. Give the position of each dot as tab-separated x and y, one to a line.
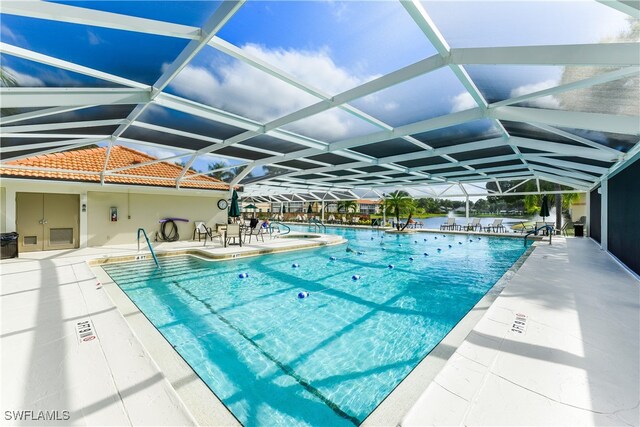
549	228
276	225
148	244
317	225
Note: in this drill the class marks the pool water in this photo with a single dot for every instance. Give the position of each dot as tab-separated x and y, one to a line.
328	359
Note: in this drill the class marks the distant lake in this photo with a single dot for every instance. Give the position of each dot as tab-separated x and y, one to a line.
436	222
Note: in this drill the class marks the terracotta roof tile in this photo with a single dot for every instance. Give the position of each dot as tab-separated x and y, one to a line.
92	160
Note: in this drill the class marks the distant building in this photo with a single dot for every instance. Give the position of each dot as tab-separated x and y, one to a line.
368	207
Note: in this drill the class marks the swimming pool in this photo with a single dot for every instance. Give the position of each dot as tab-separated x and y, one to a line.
328	359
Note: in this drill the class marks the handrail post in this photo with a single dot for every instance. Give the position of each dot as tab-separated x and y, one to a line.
153	254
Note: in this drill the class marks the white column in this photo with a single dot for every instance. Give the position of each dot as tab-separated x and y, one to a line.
10	209
84	207
322	210
467	208
384	215
604	210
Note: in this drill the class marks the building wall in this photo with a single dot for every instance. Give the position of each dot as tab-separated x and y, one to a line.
137	210
145	205
623	235
579	207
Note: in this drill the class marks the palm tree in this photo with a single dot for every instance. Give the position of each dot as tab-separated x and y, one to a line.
7	80
218	174
226	175
346	205
399	203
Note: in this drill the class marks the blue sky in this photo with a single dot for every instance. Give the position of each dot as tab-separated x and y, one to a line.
330	45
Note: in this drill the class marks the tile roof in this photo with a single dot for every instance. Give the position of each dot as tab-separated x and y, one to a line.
91	160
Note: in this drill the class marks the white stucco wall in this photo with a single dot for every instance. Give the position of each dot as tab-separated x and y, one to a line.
145	206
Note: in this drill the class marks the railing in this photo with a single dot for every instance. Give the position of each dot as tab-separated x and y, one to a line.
317	225
148	244
549	229
278	224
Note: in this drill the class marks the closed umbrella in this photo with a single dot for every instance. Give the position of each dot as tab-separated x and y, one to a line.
544	209
234	209
309	209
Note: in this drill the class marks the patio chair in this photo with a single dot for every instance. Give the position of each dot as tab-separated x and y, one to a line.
233	232
331	219
496	226
343	220
449	225
473	225
201	229
355	220
257	230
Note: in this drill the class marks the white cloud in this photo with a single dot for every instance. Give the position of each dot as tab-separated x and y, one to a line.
7	33
247	91
93	38
24	79
544	102
462	101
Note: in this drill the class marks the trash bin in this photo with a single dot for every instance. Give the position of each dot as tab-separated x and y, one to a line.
578	230
9	243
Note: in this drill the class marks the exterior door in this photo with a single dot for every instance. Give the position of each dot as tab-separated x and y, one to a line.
47	221
29	221
61	214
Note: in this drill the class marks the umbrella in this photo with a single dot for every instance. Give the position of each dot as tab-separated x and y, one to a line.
284	209
234	209
309	209
252	207
544	209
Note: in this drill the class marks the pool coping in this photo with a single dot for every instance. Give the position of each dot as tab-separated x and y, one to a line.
404	396
211	256
205	406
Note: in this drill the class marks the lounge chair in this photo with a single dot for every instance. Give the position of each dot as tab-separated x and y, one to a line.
526	228
257	230
233	232
497	225
473	225
355	220
449	225
343	220
331	219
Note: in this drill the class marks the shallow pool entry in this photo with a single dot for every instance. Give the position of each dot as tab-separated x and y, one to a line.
322	336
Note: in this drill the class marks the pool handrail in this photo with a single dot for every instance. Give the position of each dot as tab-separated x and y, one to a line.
549	228
153	254
317	224
279	224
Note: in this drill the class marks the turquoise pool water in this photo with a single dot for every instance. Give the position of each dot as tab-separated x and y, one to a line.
328	359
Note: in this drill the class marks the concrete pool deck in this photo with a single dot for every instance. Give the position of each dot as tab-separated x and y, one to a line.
571	359
577	362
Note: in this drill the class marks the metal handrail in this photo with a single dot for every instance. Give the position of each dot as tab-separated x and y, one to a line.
549	228
279	224
317	224
148	244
